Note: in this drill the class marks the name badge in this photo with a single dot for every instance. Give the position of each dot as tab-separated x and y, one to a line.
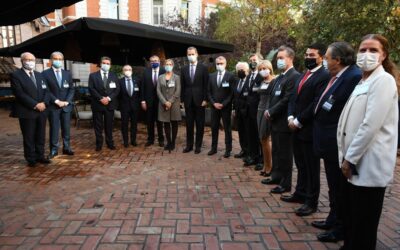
112	85
225	84
255	89
66	85
136	89
44	85
264	86
171	85
327	106
278	93
245	93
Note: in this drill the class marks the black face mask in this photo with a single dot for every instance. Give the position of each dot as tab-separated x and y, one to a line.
310	63
253	65
241	74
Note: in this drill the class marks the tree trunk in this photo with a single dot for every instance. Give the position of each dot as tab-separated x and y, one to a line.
258	46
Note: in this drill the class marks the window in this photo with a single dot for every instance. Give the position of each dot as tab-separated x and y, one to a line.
158	15
184	9
7	36
113	9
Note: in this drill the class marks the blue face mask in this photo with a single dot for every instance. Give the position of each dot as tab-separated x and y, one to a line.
155	65
57	64
281	64
168	68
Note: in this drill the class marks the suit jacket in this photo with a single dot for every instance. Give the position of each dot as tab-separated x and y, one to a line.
63	93
325	122
126	102
98	91
27	95
253	96
279	101
224	93
196	90
239	100
148	90
171	94
367	130
301	104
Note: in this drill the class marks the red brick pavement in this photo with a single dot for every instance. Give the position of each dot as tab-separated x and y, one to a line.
139	198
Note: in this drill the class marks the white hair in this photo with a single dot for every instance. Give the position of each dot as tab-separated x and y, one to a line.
243	65
23	55
55	53
126	66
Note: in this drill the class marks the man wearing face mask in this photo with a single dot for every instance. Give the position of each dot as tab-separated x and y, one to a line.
327	109
251	87
282	151
61	90
220	94
104	90
129	104
300	119
240	107
31	100
150	100
194	81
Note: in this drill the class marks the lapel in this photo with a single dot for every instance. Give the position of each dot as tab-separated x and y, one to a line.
123	85
30	84
306	83
39	83
196	72
100	77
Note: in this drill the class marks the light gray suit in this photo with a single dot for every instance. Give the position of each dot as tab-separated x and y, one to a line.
169	92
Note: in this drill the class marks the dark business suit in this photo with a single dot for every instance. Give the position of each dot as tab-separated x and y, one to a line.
301	108
103	115
62	91
149	95
223	94
252	99
129	104
193	93
32	122
282	150
325	142
241	113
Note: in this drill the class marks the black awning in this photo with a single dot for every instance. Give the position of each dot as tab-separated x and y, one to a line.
21	11
86	39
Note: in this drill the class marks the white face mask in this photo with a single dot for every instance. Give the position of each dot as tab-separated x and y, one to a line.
367	61
192	58
105	67
220	68
264	73
128	73
29	65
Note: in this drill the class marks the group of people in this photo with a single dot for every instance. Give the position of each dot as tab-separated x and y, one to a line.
343	110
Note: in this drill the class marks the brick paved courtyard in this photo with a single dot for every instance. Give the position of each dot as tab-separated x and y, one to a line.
139	198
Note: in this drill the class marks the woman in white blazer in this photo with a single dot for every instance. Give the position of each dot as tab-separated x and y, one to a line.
367	142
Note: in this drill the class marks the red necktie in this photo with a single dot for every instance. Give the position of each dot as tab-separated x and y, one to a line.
303	81
326	90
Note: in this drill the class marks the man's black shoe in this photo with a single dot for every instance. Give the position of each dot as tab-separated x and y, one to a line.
227	154
292	199
98	148
239	155
269	181
68	152
161	144
250	162
305	210
212	152
52	155
148	144
279	190
31	164
197	151
330	236
112	147
43	161
134	144
321	224
259	167
187	149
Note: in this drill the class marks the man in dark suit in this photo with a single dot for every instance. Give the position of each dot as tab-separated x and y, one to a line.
129	103
327	109
32	97
104	90
300	117
150	100
220	94
253	82
194	81
240	107
282	151
61	90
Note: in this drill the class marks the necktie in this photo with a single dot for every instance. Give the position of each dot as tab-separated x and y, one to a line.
252	77
219	80
155	77
129	86
32	76
105	79
58	78
240	85
192	72
326	90
306	75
